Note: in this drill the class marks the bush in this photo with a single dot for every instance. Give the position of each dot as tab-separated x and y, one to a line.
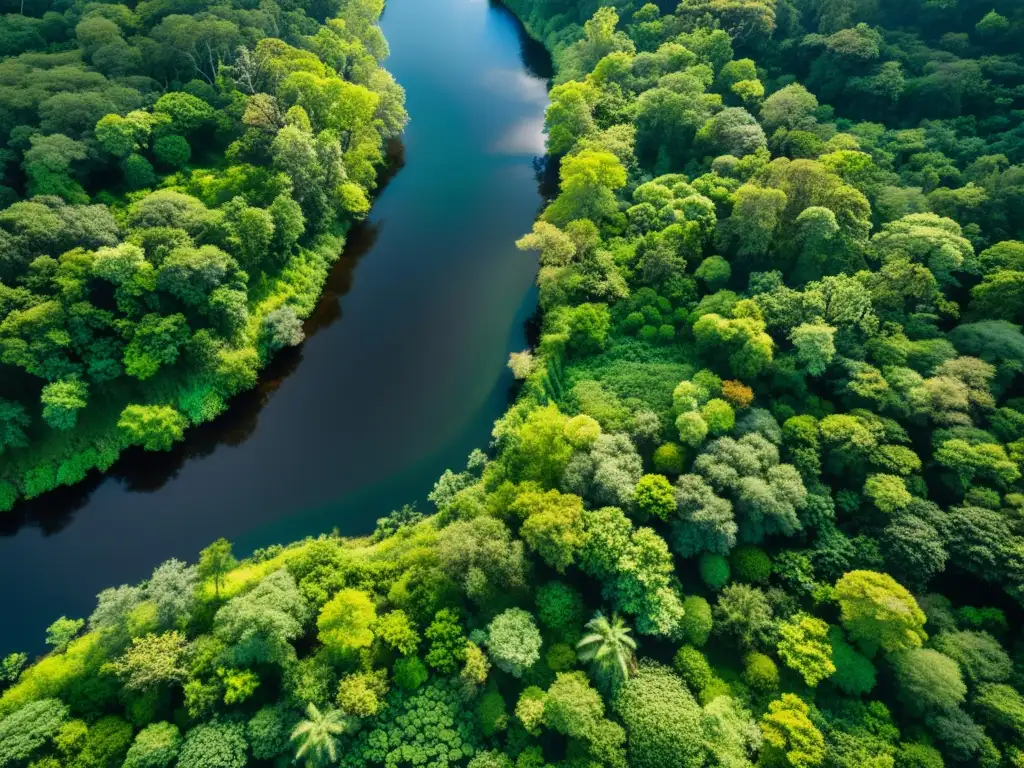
410	673
750	564
172	151
663	722
693	667
714	570
695	628
138	172
668	459
513	641
719	416
760	672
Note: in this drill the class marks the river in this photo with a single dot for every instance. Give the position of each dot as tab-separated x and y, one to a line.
403	370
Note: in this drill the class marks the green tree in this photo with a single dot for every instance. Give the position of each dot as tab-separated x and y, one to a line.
214	745
760	672
49	165
928	680
804	646
154	427
608	647
396	630
345	622
654	497
259	625
743	612
790	738
573	708
552	526
27	729
815	346
661	718
172	151
215	562
879	613
152	660
62	400
447	642
187	112
62	632
1001	707
979	655
155	746
697	624
588	181
13	421
513	641
569	115
855	674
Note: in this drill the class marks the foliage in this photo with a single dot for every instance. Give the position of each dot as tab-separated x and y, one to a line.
609	648
790	738
661	718
777	357
155	746
513	641
879	613
184	228
804	646
344	622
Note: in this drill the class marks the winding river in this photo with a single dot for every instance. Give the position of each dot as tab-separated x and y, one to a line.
403	370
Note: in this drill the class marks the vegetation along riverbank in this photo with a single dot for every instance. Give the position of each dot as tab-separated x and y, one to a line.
188	174
759	500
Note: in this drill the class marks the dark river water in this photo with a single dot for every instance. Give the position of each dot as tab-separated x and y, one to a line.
403	370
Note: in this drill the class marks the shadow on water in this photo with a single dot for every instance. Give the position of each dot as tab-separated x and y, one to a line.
535	57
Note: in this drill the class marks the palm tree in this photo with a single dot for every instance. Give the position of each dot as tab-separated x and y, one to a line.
317	735
609	648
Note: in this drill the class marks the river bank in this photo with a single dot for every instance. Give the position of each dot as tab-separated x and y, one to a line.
403	371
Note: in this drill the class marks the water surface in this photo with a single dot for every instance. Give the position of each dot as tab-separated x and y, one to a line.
403	370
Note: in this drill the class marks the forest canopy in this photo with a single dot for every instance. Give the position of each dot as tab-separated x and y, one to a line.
177	180
759	499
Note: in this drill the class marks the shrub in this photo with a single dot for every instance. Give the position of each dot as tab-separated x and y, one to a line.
693	667
172	151
714	570
760	672
750	564
513	641
695	628
410	673
668	459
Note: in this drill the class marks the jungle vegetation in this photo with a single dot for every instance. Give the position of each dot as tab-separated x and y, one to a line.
178	177
759	499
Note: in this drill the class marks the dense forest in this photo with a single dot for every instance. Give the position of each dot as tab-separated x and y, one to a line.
759	499
178	177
